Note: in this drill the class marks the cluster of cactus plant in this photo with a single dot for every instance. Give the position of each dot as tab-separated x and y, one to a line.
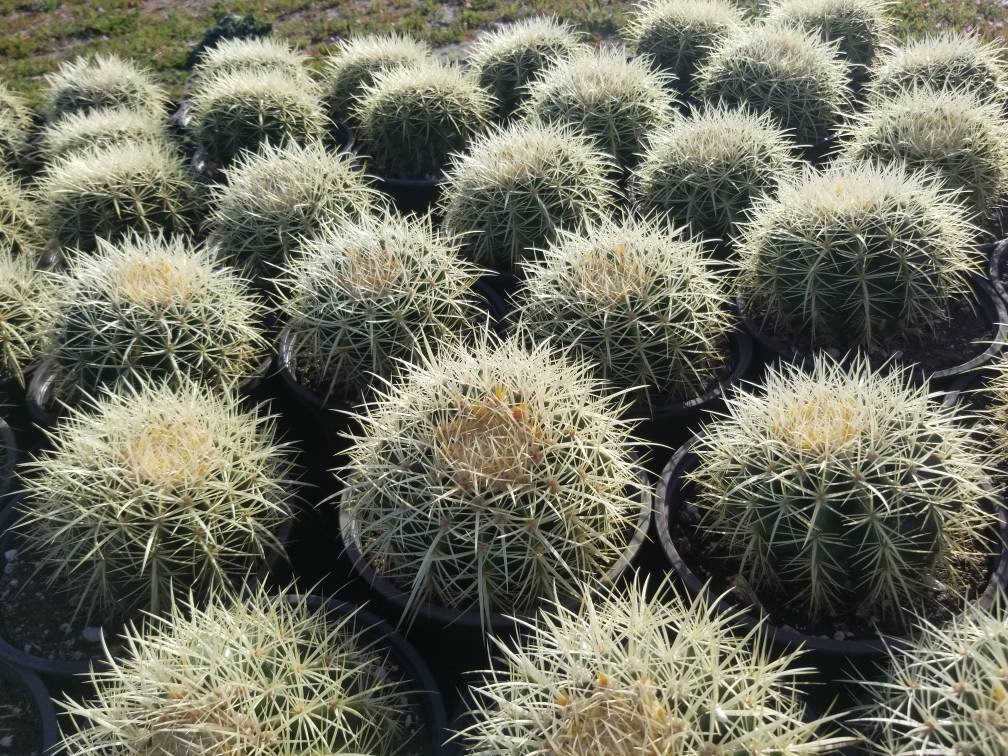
153	493
412	117
21	231
256	676
859	28
239	110
102	81
842	490
77	132
955	135
15	124
616	100
356	61
249	54
678	35
153	307
707	170
26	306
636	299
491	476
108	191
642	672
364	296
272	198
853	253
507	59
781	70
513	189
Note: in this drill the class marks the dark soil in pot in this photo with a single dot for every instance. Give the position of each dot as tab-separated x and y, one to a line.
698	559
27	716
410	195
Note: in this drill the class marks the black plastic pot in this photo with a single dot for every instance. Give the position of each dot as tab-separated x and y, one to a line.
342	137
442	617
670	499
8	442
32	685
411	195
995	264
992	305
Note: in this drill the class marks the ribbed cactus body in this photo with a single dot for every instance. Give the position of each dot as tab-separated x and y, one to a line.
26	310
858	28
79	132
102	81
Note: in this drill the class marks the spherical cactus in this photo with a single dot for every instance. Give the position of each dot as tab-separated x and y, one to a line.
637	300
15	125
110	191
412	117
859	28
953	134
367	295
26	308
249	54
616	101
21	230
357	60
154	493
947	692
490	476
76	132
271	198
240	110
842	491
258	677
707	170
514	188
102	81
678	35
508	58
946	61
151	306
780	70
636	673
844	256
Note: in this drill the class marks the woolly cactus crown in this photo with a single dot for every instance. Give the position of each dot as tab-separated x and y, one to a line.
513	189
707	170
102	81
780	70
947	61
272	198
678	35
616	101
249	54
472	474
954	134
21	230
509	57
636	299
849	254
366	295
885	490
25	313
77	132
283	677
412	117
155	493
107	192
634	673
860	28
357	60
151	306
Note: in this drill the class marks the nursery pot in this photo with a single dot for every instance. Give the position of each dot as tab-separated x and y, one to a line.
28	683
411	195
671	499
995	264
9	443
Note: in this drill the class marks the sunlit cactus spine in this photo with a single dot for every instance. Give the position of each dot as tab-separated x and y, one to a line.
107	192
15	127
491	476
954	135
153	307
256	676
643	672
851	254
234	111
844	491
411	118
515	188
365	296
21	224
270	199
249	54
102	81
356	61
678	35
78	132
617	101
706	170
26	310
860	28
507	59
781	70
636	299
154	493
